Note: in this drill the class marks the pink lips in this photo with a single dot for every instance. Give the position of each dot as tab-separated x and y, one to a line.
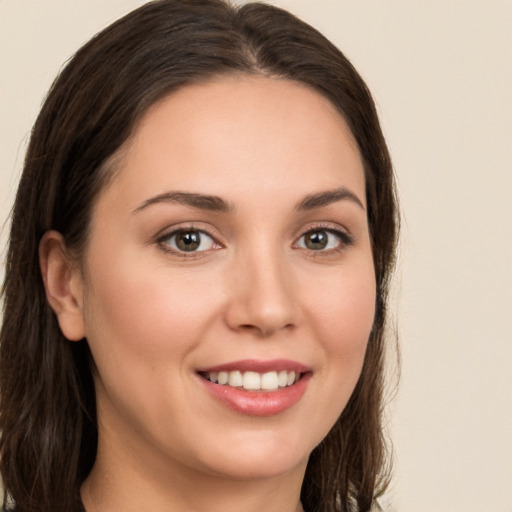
253	365
258	403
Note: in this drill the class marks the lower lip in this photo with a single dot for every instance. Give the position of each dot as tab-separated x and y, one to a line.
258	403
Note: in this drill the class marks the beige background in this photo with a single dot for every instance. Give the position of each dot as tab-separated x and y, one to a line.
441	73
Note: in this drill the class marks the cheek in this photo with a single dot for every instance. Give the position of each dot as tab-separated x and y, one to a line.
144	308
143	322
342	318
344	309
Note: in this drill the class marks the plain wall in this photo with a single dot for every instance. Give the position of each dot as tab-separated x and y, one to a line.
441	73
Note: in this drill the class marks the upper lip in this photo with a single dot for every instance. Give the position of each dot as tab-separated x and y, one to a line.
259	366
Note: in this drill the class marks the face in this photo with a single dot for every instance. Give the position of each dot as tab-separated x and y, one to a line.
229	286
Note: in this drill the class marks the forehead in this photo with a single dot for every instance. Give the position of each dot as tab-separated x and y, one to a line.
241	132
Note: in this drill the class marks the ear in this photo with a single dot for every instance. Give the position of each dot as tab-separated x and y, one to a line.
63	284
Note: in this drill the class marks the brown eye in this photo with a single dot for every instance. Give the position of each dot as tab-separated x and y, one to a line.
316	240
189	240
323	240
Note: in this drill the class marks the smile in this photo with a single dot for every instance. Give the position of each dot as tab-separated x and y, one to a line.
254	381
257	388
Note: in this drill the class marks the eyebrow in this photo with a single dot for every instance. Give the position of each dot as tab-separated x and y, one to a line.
217	204
328	197
201	201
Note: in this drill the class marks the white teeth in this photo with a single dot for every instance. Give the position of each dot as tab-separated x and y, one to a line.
269	381
235	379
253	381
282	379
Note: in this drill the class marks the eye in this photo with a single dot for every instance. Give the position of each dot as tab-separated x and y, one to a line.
323	240
188	240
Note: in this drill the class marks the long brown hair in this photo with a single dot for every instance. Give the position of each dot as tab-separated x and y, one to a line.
47	412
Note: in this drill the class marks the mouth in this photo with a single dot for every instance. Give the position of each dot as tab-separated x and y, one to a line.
254	381
257	388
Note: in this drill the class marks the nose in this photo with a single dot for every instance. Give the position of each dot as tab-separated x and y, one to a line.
262	299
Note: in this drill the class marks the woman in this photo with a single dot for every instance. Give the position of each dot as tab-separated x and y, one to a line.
197	274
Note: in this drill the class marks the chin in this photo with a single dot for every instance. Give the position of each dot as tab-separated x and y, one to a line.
271	467
249	460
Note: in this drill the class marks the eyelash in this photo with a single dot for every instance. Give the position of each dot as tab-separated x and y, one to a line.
345	240
163	242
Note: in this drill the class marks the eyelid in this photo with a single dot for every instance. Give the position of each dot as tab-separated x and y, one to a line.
346	238
344	235
167	233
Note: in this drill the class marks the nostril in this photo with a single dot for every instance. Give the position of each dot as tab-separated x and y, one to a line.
264	329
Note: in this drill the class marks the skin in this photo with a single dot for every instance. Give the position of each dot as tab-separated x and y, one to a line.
152	316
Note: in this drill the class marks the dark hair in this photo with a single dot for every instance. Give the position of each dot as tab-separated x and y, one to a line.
47	412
